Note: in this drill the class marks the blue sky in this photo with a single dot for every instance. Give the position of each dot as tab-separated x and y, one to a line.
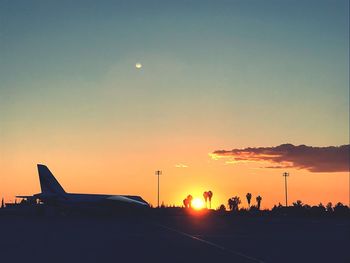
290	55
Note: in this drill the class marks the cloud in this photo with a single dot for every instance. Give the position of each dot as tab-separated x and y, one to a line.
313	159
181	165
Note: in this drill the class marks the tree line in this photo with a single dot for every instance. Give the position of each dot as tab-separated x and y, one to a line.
297	207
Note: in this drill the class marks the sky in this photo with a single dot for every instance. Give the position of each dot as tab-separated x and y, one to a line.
216	76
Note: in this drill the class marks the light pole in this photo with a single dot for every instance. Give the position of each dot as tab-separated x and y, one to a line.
285	186
158	173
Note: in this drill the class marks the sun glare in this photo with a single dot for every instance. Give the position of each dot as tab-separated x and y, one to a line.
197	203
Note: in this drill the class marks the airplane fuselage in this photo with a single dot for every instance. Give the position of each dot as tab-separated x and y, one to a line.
52	193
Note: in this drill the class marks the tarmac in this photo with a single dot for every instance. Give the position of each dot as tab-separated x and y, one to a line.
185	238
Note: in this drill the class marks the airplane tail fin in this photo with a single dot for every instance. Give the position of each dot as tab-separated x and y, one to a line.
48	183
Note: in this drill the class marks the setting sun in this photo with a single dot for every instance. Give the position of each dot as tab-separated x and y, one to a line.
197	203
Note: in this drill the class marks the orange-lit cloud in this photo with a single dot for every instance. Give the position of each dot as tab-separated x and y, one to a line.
313	159
181	165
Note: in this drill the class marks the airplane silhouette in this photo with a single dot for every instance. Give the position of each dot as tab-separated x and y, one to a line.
52	193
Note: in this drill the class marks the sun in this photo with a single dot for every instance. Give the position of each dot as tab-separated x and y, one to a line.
197	203
138	65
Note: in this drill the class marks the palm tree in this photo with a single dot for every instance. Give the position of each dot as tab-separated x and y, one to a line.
329	207
258	200
210	195
189	200
185	202
237	201
222	208
205	195
233	203
298	204
249	197
230	204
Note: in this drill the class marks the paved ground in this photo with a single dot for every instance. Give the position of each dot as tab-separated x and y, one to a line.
173	239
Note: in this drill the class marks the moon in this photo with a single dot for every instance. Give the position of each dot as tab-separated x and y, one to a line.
138	65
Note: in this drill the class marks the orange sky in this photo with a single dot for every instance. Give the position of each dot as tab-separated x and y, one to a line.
122	168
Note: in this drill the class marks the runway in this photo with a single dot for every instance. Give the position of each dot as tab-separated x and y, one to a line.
173	239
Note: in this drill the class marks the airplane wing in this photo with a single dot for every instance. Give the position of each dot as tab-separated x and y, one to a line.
25	196
126	199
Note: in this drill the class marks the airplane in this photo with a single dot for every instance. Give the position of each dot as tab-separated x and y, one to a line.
53	194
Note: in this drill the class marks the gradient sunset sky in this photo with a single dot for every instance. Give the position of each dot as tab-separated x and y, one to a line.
216	75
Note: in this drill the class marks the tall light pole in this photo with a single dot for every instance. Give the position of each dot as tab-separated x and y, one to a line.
285	186
158	173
